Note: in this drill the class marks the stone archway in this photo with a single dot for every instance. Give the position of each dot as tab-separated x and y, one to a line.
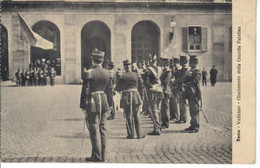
94	34
145	40
51	32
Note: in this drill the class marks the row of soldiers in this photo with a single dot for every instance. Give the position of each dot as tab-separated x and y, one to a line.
161	87
164	89
35	76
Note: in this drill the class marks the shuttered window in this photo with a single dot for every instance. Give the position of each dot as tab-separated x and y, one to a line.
194	39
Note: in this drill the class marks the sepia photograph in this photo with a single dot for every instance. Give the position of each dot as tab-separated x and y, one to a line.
113	81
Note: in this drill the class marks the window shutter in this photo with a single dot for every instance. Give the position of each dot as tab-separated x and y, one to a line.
204	42
185	38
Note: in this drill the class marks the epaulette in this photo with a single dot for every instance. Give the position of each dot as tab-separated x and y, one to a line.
87	74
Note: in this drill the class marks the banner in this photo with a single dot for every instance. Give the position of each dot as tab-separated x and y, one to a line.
33	38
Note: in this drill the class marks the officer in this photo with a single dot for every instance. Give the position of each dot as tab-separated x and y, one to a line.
94	103
193	92
27	77
130	101
52	76
36	76
166	81
23	77
174	101
30	83
111	92
40	77
179	82
45	75
155	96
18	77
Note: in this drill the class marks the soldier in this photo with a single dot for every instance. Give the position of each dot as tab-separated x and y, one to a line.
95	106
111	92
40	77
166	81
179	82
35	76
193	94
155	95
23	77
27	77
130	101
174	101
52	76
45	75
18	78
30	76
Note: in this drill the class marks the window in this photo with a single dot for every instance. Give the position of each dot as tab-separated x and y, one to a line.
194	39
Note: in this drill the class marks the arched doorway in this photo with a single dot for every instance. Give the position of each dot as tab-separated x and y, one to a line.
51	32
145	40
94	34
4	53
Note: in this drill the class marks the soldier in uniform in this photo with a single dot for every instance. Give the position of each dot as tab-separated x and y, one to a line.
111	92
45	75
94	103
27	77
166	81
155	96
130	101
40	76
18	77
23	77
52	76
35	76
179	82
193	93
174	102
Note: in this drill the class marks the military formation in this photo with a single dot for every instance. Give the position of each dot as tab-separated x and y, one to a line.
38	74
158	88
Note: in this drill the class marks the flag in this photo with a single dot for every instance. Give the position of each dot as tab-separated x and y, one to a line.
33	38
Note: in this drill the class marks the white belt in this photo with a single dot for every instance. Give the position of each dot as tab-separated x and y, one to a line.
129	90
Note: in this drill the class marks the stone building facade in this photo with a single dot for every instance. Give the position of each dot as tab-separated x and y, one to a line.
123	30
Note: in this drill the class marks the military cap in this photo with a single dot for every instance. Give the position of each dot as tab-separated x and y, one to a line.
98	55
193	59
183	60
126	62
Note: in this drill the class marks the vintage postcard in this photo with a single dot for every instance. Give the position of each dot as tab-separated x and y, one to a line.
128	81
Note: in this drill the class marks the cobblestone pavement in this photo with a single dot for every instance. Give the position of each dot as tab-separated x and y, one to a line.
45	124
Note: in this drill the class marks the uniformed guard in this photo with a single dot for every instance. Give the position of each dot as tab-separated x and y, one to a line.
182	97
52	76
174	101
94	104
111	92
130	101
23	77
166	81
36	76
45	76
155	96
27	77
193	93
40	77
18	77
